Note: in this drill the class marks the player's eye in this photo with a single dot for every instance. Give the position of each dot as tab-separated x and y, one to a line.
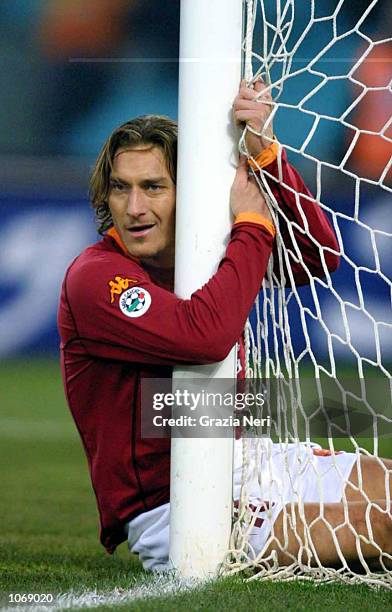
153	187
116	186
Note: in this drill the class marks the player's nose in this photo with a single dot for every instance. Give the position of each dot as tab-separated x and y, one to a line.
136	203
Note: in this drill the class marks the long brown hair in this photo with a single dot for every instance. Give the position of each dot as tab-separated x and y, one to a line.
156	130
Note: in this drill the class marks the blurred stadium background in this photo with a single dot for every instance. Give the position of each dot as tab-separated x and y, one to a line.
72	70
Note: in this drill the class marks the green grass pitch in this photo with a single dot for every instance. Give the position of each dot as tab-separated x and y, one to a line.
48	536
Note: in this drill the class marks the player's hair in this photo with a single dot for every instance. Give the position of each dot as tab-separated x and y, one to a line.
155	130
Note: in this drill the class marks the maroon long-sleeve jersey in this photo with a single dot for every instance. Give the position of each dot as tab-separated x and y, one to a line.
118	326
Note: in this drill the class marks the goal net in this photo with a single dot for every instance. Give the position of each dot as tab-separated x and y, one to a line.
322	352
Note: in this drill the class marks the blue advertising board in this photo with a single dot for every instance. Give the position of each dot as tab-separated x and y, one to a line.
39	237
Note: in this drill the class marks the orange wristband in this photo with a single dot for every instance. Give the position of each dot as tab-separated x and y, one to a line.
253	217
266	157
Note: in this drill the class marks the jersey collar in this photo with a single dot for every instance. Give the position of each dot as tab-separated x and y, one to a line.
162	278
113	233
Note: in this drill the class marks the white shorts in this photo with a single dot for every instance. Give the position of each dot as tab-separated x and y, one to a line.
289	473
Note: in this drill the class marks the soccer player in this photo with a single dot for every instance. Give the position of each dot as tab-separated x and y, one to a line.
120	322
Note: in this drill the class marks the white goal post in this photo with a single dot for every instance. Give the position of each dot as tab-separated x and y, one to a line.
210	70
336	330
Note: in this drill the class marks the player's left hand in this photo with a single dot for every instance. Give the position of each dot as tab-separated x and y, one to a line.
253	109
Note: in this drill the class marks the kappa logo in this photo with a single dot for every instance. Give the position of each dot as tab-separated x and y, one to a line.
119	285
135	302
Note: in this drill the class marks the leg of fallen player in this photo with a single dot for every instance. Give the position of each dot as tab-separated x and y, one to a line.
371	479
332	533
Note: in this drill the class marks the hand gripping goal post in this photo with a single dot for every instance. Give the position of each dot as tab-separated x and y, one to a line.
321	352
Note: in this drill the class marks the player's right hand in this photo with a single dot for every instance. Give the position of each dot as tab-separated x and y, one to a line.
245	194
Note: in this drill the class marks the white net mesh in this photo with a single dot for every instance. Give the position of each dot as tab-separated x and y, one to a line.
324	350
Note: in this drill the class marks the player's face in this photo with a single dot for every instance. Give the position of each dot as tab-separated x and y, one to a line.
142	202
